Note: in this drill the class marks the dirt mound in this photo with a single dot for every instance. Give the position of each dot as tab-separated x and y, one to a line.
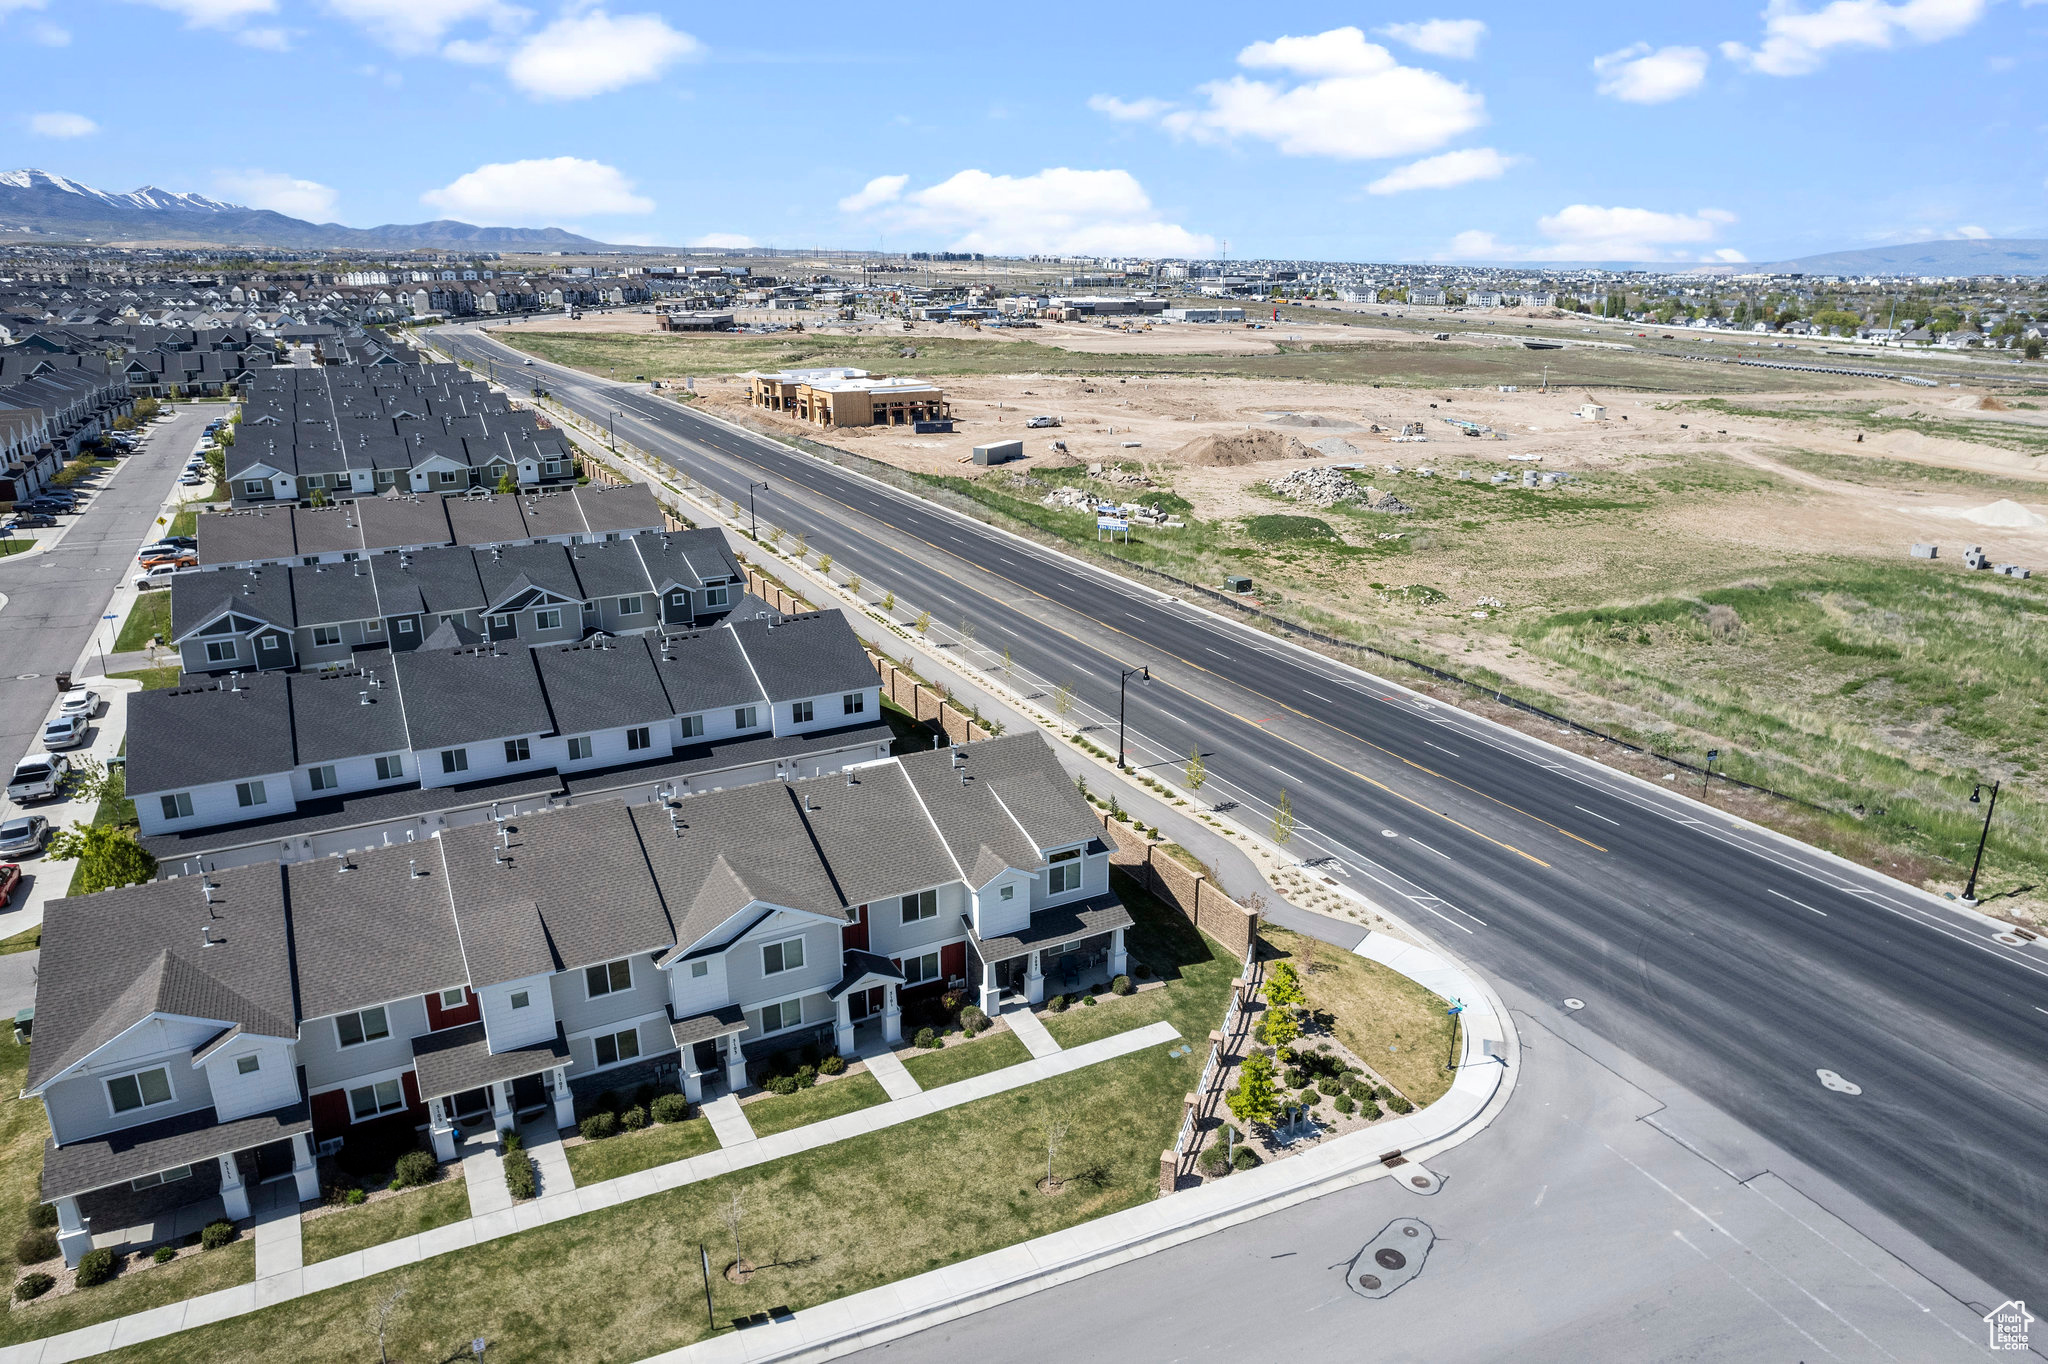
1310	419
1242	447
1336	447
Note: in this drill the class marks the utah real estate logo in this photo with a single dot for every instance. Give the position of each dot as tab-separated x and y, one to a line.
2008	1325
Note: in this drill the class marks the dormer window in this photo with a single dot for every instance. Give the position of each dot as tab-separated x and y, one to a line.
1065	874
144	1089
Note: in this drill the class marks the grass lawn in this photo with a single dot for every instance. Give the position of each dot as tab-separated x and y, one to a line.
414	1211
151	616
1197	971
1377	1008
153	679
23	1131
658	1144
15	544
114	806
911	737
138	1290
847	1094
965	1060
28	940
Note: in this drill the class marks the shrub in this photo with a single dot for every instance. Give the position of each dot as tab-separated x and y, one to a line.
95	1267
1400	1105
510	1141
42	1215
1369	1110
355	1198
832	1065
806	1076
520	1179
1343	1104
598	1126
633	1119
1089	1000
414	1167
1310	1098
33	1286
670	1108
952	1000
1246	1158
1058	1004
1286	1056
1214	1162
35	1246
925	1037
643	1097
163	1255
781	1084
1121	985
214	1235
1361	1093
1295	1078
972	1020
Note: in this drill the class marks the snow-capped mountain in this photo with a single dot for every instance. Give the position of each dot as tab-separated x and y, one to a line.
44	206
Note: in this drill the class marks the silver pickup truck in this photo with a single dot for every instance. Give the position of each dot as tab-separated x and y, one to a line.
39	776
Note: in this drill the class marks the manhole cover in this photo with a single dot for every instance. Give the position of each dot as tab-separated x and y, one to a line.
1410	1231
2010	939
1390	1259
1368	1281
1419	1181
1829	1079
26	677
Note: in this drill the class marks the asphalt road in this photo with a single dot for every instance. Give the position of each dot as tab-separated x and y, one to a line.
1735	963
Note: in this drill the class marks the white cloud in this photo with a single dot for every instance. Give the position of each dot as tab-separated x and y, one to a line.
1442	172
538	193
1798	41
269	39
49	35
1589	232
1093	212
1129	110
876	192
10	6
281	193
1352	100
1439	37
726	241
1640	76
213	13
61	125
1972	234
580	55
1729	255
417	26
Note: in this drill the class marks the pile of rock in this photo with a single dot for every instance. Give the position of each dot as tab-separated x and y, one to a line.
1380	501
1069	496
1316	487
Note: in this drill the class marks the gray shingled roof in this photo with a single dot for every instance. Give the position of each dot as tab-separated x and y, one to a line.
444	695
263	594
403	520
1097	914
610	568
706	669
508	571
326	594
346	714
234	537
605	684
374	933
182	737
874	836
327	530
722	1022
729	848
186	1139
1037	802
428	580
687	558
458	1059
813	654
630	506
488	520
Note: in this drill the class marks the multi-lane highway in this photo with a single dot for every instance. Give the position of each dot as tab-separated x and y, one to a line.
1733	962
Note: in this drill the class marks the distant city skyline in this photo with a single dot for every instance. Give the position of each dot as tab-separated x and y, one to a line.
1716	133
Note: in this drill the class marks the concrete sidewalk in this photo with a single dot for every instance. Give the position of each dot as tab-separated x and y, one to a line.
1030	1031
728	1121
896	1079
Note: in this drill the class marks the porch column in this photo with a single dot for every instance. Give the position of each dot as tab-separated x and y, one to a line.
735	1063
305	1168
72	1236
842	1027
1034	982
892	1016
565	1099
501	1105
991	997
1118	961
442	1128
231	1191
693	1083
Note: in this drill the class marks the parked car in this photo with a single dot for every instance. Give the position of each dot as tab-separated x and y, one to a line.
38	777
10	881
175	558
190	481
159	576
24	836
181	541
66	731
79	701
29	520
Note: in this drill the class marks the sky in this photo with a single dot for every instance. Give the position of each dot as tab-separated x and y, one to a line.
1482	132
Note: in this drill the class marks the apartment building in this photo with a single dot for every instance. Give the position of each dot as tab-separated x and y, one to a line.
199	1034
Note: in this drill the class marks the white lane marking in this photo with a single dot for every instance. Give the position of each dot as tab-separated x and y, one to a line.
1285	773
1440	748
1597	815
1420	844
1801	903
1324	699
1218	652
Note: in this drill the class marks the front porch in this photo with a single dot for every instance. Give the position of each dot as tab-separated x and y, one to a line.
1064	950
466	1085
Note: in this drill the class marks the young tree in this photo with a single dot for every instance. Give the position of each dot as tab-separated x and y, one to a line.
923	622
734	1211
1283	817
319	497
853	583
1198	771
505	482
1063	699
1255	1102
889	603
1283	987
1279	1027
2032	350
1057	1125
803	543
966	632
825	565
107	857
1009	668
381	1315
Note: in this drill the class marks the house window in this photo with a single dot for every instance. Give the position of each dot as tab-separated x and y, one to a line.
178	806
248	1065
715	595
1007	893
249	793
326	635
854	703
699	970
170	1176
322	778
579	748
520	999
612	1048
270	642
405	627
917	970
778	957
744	717
632	606
501	622
221	651
255	487
693	726
637	739
518	751
548	619
608	977
800	712
454	999
141	1090
1066	872
455	760
367	1101
776	1017
352	1030
678	599
390	767
923	905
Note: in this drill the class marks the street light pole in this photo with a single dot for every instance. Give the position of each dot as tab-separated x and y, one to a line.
1125	676
611	432
1970	890
754	522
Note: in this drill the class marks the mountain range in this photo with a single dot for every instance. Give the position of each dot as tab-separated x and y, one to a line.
37	204
1967	256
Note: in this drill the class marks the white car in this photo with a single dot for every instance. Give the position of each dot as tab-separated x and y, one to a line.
190	481
66	731
81	702
160	576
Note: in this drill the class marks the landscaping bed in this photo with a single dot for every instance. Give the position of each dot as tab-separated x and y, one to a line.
1395	1025
139	1283
964	1060
338	1229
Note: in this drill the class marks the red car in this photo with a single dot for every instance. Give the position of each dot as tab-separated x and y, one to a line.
10	881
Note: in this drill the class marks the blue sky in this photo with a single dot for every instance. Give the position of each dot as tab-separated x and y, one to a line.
1583	131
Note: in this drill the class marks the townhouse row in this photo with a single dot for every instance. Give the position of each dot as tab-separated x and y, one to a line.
197	1034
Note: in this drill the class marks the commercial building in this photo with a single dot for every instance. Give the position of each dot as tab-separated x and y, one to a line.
847	397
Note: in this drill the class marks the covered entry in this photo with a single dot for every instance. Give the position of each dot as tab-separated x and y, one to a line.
457	1065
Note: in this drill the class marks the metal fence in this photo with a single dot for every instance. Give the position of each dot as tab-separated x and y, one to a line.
1214	1066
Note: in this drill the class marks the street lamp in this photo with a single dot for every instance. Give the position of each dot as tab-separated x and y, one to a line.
610	431
1970	890
1126	675
753	522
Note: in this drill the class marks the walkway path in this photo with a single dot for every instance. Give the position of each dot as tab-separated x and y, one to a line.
279	1247
482	1227
551	1162
485	1174
895	1077
728	1121
1030	1032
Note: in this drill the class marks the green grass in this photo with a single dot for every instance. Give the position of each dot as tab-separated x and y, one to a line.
28	940
23	1130
16	544
186	522
1870	416
1390	1022
136	1290
596	1161
1283	529
114	806
416	1210
153	679
1880	472
781	1112
911	737
965	1060
150	616
1196	969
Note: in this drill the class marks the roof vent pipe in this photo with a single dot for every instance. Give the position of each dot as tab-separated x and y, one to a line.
414	863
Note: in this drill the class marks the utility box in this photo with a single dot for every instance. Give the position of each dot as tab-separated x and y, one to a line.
1592	412
1927	551
999	452
1237	583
